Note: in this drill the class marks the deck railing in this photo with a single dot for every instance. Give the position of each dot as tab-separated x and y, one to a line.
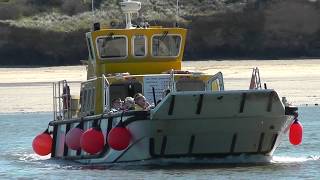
61	100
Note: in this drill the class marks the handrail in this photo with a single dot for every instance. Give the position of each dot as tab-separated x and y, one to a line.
172	79
101	116
106	93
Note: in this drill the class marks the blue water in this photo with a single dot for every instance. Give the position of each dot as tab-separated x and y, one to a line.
17	160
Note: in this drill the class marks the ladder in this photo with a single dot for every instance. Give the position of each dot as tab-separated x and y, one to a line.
255	82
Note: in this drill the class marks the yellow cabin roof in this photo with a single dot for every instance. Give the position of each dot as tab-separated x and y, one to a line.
149	50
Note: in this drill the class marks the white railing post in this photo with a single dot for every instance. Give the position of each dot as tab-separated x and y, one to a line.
106	95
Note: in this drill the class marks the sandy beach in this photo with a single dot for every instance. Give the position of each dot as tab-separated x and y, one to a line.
30	89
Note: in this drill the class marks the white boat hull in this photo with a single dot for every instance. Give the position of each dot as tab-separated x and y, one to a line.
196	125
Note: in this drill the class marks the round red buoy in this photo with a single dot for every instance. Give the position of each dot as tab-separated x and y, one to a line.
92	141
119	138
73	138
42	144
296	133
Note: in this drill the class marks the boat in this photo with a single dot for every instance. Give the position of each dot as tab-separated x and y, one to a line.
190	115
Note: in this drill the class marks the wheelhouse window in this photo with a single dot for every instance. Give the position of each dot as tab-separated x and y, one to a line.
166	45
139	45
113	47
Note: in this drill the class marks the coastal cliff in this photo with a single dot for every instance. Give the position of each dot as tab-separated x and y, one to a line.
53	32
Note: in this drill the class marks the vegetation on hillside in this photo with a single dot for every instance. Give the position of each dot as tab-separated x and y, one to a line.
51	32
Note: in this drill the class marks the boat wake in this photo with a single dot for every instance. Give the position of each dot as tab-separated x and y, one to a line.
44	162
288	159
190	163
177	163
31	157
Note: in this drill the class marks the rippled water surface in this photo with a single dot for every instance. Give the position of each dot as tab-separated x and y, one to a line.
26	105
18	161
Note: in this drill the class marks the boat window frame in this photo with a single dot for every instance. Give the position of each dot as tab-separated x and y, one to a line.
89	44
86	100
92	99
188	80
113	58
145	46
180	46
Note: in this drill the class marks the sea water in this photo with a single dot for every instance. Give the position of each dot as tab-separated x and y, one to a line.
26	104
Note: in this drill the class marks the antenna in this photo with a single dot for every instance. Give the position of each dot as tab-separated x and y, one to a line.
93	16
96	25
177	13
92	6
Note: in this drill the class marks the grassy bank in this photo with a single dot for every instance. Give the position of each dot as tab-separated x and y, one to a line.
216	29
